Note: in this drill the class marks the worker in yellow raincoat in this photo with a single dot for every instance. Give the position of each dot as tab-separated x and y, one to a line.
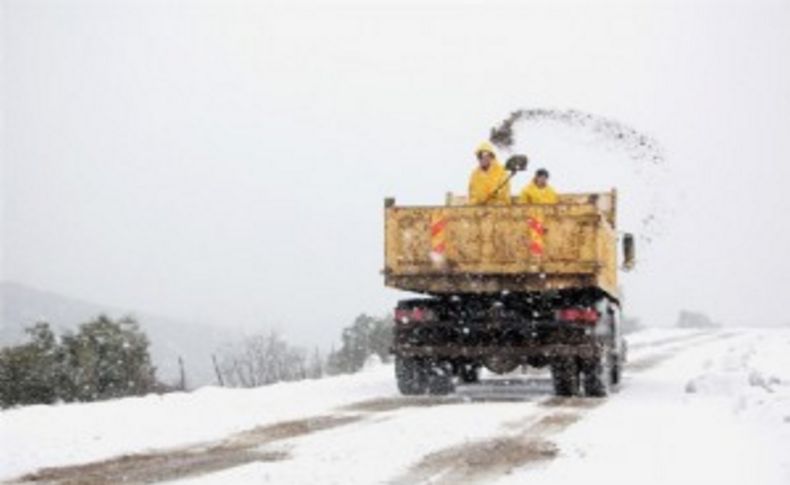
539	191
489	184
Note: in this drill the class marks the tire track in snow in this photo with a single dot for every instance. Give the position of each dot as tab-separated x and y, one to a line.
665	353
484	459
667	340
239	449
482	392
386	404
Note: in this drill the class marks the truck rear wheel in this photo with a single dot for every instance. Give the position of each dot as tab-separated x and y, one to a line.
598	374
412	375
440	378
469	373
565	376
616	371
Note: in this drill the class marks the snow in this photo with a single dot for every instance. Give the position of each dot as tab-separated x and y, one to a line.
46	436
724	428
705	407
384	450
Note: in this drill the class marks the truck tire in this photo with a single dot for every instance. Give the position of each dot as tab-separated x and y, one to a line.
616	372
440	378
598	374
565	376
469	373
411	375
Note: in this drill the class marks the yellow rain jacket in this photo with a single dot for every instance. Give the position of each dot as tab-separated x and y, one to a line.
532	194
483	183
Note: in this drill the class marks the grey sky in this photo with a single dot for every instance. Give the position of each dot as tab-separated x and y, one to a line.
226	162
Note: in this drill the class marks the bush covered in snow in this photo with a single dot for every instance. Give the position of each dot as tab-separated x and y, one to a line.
104	359
365	337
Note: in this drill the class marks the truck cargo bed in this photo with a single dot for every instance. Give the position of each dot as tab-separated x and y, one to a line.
472	249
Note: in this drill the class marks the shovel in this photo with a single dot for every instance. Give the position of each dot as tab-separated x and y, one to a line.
514	164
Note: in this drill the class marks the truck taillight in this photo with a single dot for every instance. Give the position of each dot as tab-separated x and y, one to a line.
411	315
578	315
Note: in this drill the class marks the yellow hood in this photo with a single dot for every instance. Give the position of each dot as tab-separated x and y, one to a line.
486	146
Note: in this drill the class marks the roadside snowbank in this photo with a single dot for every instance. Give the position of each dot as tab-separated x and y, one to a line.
717	414
45	436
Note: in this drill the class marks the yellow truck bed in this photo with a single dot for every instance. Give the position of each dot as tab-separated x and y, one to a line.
459	248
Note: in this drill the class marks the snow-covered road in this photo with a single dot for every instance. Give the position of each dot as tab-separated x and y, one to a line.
695	407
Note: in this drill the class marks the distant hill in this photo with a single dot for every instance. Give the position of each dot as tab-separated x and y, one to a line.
21	306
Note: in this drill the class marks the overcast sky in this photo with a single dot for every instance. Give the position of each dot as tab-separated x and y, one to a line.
226	162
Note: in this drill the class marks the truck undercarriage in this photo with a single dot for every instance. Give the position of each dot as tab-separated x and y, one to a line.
574	332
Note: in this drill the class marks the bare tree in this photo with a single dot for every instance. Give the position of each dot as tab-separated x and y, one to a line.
260	360
317	365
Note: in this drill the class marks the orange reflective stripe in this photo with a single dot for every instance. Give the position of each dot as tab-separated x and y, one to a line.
535	230
438	226
535	225
438	234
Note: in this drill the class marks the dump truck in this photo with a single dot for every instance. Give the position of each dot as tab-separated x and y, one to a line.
507	286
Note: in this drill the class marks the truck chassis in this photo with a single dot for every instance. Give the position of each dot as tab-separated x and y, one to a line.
576	332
